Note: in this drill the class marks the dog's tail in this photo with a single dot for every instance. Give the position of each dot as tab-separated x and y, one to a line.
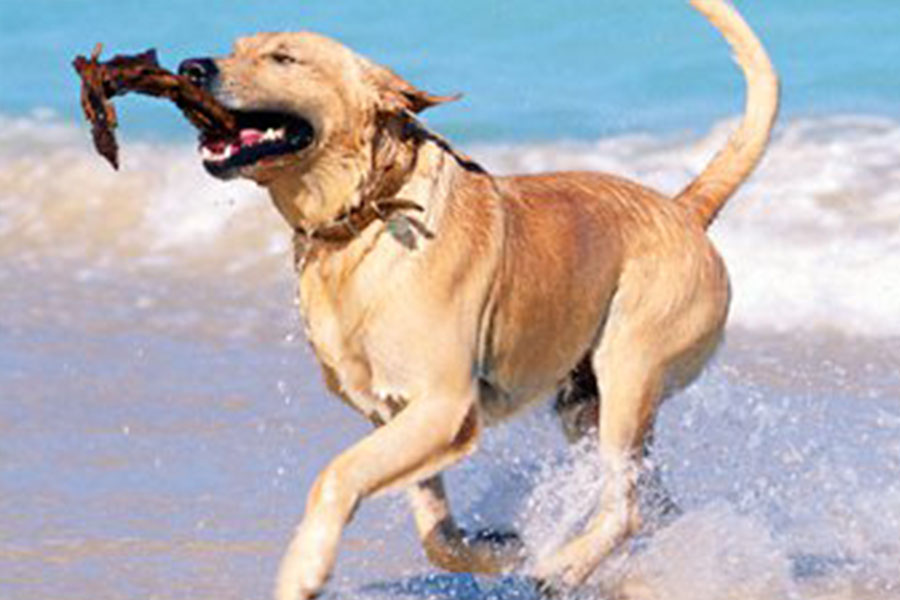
707	194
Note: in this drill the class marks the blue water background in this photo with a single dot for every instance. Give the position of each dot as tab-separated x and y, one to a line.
530	69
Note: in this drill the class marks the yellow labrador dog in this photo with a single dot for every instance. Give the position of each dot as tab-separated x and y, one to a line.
439	298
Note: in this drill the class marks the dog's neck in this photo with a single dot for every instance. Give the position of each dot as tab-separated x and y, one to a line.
348	191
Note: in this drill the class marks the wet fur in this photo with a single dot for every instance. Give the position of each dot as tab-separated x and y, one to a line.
584	281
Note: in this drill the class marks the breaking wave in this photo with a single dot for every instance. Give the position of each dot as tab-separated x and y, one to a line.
812	241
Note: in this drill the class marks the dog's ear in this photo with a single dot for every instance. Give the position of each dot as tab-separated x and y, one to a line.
396	95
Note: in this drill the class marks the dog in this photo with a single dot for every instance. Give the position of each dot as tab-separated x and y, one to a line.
439	298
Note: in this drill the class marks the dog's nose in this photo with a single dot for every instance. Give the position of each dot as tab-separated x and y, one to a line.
199	71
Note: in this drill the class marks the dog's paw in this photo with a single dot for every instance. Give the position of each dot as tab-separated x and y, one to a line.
301	576
548	590
496	551
296	593
494	538
568	568
486	551
291	589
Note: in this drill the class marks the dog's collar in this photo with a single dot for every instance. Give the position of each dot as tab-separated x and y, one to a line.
353	222
348	225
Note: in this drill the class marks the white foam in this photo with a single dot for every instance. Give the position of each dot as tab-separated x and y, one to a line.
788	491
59	196
812	241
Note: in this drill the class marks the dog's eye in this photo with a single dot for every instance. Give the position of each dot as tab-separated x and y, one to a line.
282	59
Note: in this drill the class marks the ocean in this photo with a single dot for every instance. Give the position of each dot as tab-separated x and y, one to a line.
161	417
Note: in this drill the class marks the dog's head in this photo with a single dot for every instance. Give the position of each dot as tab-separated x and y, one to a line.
305	104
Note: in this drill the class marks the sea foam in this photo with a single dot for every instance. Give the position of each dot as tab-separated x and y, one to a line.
812	240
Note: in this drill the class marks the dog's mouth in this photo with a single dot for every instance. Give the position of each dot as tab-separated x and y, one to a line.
262	136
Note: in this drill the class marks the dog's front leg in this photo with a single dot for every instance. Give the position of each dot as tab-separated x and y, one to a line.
428	435
449	547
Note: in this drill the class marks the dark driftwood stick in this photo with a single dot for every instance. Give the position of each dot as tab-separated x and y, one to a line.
141	73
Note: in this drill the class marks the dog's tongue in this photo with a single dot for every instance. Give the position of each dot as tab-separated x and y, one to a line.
250	137
246	137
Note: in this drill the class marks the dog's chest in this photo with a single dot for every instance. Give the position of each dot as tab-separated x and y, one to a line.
344	319
330	320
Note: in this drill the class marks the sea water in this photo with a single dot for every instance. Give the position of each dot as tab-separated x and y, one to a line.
161	417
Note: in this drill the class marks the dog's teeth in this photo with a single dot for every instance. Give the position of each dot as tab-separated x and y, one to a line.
273	135
211	155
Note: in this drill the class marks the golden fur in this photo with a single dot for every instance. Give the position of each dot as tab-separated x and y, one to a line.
522	279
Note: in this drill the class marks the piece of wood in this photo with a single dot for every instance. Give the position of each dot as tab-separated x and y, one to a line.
141	73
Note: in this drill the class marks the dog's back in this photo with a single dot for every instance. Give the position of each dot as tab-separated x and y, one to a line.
570	238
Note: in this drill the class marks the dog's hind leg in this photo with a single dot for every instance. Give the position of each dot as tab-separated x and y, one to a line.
657	506
656	327
578	402
578	407
631	389
451	548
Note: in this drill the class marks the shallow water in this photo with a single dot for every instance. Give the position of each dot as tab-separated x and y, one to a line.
812	241
158	433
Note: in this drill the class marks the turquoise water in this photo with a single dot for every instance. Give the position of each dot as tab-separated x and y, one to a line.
531	70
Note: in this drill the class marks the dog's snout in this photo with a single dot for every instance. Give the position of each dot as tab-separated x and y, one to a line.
200	71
